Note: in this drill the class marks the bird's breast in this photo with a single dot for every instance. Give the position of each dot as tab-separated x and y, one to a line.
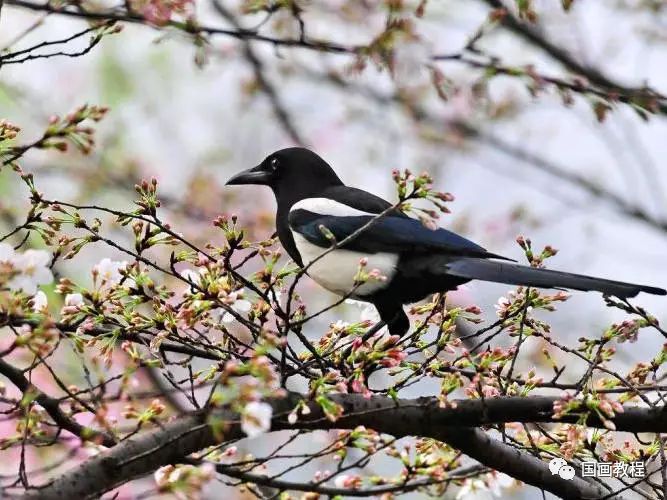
336	271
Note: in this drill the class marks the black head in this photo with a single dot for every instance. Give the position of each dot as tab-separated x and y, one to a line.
292	173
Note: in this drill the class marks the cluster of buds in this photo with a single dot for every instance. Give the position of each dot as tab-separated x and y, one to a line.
8	131
148	202
420	187
379	350
629	452
185	481
482	387
302	408
160	12
361	438
574	438
71	128
233	235
535	260
433	458
363	275
628	330
320	388
449	382
516	306
358	385
531	380
387	353
150	414
491	360
381	50
598	404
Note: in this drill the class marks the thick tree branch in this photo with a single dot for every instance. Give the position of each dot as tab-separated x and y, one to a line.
52	407
174	441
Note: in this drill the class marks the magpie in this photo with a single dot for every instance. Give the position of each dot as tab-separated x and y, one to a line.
316	211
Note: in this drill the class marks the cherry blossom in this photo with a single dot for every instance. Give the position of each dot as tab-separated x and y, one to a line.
27	270
40	302
73	299
108	271
368	311
256	418
470	489
238	304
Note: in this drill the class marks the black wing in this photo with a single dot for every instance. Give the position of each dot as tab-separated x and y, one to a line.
389	233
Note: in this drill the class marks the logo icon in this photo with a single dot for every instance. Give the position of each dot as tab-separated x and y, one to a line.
559	466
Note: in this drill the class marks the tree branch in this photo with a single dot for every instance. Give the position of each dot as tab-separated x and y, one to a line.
123	16
537	39
174	441
283	485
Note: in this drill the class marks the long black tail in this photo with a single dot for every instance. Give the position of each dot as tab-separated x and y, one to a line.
515	274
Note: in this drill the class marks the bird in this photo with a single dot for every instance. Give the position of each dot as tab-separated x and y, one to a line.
316	213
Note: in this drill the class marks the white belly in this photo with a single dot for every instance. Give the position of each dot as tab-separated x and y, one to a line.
336	270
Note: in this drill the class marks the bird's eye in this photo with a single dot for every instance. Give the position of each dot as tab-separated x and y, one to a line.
274	164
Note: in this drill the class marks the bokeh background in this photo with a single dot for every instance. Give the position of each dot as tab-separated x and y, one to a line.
192	117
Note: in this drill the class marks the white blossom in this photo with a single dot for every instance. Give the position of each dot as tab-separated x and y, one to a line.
161	475
368	311
341	481
499	483
340	325
256	418
73	299
109	271
503	302
40	302
410	61
31	268
239	305
470	489
7	253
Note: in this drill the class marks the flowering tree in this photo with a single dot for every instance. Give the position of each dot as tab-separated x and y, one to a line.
201	360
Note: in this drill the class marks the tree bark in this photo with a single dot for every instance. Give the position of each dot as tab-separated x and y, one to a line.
175	440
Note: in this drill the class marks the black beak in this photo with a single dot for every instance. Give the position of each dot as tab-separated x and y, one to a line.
255	175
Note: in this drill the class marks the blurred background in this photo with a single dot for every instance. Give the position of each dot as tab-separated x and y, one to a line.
193	114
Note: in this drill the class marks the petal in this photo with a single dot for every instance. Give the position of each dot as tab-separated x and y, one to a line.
73	299
40	301
38	257
7	252
22	282
43	276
